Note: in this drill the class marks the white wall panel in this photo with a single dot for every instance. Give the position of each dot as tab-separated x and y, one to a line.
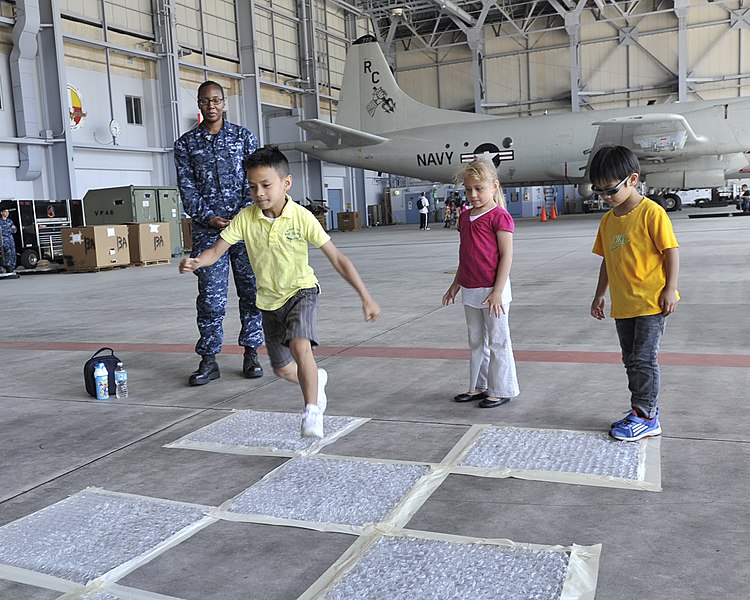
549	73
422	85
506	77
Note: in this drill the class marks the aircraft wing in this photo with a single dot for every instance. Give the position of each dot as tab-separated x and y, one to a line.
336	137
647	134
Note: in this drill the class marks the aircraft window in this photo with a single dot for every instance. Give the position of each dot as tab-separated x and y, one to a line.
507	142
447	146
466	144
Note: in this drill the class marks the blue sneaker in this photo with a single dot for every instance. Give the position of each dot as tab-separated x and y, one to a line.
628	414
633	428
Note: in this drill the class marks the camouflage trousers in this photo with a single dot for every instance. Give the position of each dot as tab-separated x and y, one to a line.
213	287
9	253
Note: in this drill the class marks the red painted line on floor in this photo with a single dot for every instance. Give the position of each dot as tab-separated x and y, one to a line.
544	356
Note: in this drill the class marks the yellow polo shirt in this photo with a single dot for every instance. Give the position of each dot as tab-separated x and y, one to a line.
632	246
278	250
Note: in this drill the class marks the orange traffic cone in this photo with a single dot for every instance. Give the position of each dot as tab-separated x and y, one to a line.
544	213
553	212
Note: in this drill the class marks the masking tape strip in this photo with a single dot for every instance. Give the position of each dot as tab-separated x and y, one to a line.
35	579
415	498
649	467
649	462
188	444
463	445
580	578
125	593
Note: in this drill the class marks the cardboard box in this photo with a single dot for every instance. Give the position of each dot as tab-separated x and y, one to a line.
187	234
149	242
349	221
95	247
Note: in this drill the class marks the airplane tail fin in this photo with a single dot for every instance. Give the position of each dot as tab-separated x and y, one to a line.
372	101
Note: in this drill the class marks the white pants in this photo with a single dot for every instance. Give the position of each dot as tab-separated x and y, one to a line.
491	364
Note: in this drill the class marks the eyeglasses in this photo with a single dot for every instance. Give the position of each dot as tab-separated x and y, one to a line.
610	191
207	101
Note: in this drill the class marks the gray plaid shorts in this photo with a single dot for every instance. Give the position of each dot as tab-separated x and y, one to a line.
294	320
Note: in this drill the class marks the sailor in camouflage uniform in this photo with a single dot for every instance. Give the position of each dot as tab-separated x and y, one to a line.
9	243
214	188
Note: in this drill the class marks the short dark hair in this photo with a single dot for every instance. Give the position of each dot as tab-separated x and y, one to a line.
613	163
268	156
209	84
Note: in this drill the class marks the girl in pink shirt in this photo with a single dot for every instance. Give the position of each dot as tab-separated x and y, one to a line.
483	277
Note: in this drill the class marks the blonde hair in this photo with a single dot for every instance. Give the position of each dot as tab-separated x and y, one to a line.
483	170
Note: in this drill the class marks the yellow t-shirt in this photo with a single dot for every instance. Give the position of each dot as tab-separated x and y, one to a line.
278	250
632	246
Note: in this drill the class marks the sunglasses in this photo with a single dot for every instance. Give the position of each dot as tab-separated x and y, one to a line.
207	101
609	191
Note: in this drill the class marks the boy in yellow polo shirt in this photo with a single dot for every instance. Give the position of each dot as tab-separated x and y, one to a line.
640	265
276	232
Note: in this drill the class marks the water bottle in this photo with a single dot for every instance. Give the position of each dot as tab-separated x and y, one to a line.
121	381
101	380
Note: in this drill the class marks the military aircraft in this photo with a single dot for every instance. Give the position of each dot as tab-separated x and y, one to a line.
380	128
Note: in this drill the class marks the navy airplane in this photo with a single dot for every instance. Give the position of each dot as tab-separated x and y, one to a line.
380	128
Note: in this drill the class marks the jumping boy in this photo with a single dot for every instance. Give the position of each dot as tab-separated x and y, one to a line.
640	265
276	232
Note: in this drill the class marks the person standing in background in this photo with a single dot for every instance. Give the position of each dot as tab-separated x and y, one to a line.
214	188
8	228
423	204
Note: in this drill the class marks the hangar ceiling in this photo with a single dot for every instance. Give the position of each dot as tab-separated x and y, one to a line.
596	52
428	22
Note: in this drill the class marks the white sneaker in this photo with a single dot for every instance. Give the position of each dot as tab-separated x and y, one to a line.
312	422
322	398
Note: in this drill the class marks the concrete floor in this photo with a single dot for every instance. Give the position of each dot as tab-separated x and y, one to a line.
688	541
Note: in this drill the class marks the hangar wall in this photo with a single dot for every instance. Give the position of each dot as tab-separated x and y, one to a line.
139	62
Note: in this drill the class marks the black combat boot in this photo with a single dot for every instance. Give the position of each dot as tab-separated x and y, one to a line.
207	370
250	364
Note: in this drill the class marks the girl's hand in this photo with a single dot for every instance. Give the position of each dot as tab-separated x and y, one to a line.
450	296
495	304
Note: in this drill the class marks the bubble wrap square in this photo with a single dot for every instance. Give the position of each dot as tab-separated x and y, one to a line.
326	490
552	450
85	536
403	568
250	429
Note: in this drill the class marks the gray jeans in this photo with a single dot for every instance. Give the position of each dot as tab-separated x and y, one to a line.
639	340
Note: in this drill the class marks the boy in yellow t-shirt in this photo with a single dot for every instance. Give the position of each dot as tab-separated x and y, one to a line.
640	265
276	232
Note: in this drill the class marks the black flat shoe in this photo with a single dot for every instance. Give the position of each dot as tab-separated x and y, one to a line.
493	402
207	371
470	397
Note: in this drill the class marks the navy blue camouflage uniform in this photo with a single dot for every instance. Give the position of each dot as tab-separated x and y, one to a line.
212	183
9	244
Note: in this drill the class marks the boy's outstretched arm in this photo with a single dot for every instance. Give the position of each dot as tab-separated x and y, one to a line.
668	296
597	306
205	258
347	270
